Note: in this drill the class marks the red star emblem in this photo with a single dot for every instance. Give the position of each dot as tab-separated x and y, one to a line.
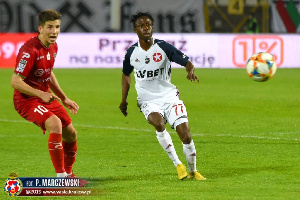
157	57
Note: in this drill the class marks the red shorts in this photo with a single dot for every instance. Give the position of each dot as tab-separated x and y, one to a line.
37	111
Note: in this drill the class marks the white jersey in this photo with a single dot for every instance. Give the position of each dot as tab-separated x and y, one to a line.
152	70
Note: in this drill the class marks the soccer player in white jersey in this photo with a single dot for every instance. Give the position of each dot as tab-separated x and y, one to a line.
150	60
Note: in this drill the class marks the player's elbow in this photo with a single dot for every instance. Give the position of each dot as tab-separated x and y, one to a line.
126	80
13	83
15	79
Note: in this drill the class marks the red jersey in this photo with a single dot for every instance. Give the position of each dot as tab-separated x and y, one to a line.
34	63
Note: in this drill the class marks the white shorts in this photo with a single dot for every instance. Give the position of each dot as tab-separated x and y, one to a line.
174	113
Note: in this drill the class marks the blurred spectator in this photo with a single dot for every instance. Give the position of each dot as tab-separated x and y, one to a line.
252	24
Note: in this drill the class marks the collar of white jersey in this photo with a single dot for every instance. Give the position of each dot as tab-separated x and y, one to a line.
153	39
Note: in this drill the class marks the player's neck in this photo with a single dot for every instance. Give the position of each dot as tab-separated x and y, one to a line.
43	41
146	44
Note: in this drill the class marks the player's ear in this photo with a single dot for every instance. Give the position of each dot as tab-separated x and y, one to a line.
40	28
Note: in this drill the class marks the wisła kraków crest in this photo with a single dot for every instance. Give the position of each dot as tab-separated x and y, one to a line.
13	185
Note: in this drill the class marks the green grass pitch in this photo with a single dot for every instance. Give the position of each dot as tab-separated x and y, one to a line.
247	136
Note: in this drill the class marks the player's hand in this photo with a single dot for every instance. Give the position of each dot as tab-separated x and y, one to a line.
71	105
192	77
123	108
190	69
49	97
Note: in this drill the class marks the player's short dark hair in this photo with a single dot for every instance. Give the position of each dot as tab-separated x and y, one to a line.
138	15
48	15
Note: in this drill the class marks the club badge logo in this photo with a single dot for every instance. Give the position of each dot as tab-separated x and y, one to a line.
13	185
157	57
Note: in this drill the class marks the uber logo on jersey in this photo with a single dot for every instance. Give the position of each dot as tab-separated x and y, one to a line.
147	60
21	66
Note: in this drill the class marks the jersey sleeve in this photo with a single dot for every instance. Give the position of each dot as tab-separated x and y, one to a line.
127	67
173	54
24	62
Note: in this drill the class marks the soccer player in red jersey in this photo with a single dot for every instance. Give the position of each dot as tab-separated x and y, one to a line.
32	80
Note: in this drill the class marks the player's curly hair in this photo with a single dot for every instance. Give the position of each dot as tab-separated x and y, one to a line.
139	14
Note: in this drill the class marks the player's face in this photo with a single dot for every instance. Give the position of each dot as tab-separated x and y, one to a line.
144	28
49	32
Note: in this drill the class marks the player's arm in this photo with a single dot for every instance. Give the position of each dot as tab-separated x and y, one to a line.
18	83
126	80
190	69
178	57
54	86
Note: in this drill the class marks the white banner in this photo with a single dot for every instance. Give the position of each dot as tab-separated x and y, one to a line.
106	50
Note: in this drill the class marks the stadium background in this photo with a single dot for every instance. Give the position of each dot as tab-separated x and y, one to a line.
246	133
211	32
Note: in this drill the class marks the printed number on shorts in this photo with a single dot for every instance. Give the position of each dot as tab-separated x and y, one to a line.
40	109
176	108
